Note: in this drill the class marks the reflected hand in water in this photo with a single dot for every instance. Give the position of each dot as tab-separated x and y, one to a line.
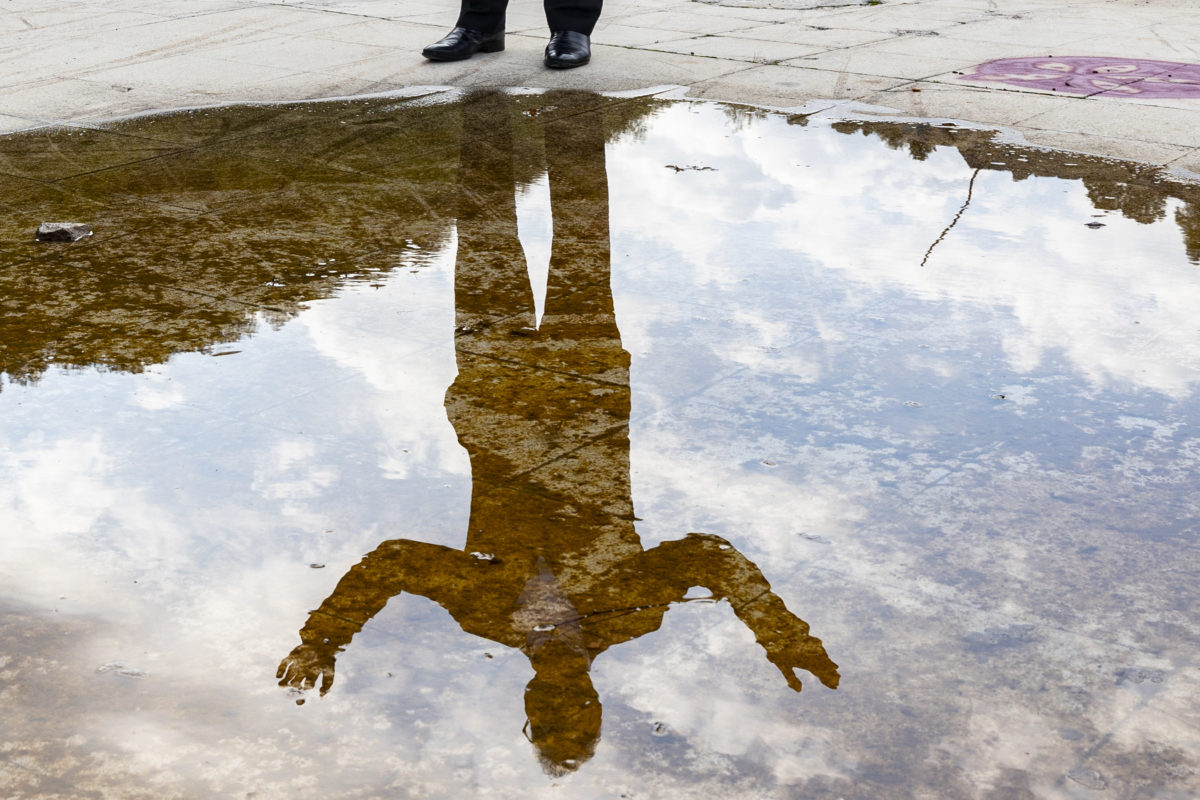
307	667
543	412
791	651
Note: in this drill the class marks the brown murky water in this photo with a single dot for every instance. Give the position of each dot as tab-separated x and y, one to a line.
531	445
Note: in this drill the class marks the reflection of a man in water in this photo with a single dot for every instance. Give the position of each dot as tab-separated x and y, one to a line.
552	564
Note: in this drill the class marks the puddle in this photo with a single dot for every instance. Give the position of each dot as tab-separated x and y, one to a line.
521	444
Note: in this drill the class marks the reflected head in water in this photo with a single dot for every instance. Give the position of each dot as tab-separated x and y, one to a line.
552	565
562	706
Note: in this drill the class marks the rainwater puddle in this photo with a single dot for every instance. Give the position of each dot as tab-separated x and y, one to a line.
531	445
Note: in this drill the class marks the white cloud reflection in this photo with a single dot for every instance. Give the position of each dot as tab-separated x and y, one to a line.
1117	302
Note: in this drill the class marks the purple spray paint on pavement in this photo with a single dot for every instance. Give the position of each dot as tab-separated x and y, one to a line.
1094	76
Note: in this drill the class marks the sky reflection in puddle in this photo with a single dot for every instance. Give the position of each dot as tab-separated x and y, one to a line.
955	438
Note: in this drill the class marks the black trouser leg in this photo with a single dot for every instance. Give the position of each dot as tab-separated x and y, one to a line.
572	15
482	15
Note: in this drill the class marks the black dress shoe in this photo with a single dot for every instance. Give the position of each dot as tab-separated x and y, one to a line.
463	43
568	49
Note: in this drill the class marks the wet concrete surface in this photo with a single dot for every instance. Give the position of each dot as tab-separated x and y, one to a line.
578	446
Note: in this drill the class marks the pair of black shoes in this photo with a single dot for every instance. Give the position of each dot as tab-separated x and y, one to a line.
567	49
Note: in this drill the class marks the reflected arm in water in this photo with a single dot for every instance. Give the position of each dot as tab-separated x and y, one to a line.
711	562
397	566
638	589
552	564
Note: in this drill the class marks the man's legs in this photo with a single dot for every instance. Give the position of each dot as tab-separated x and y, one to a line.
486	16
480	29
572	15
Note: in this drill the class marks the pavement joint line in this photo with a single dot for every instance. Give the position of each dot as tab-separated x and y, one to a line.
1085	134
1193	152
1063	96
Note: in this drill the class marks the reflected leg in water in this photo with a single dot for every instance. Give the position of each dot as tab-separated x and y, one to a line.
544	415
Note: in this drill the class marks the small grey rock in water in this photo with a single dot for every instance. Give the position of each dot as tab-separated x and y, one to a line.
1135	675
1008	636
63	231
1088	777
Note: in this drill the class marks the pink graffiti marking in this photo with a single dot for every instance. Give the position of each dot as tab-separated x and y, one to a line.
1094	75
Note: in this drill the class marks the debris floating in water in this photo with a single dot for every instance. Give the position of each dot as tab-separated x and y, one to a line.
63	231
121	669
